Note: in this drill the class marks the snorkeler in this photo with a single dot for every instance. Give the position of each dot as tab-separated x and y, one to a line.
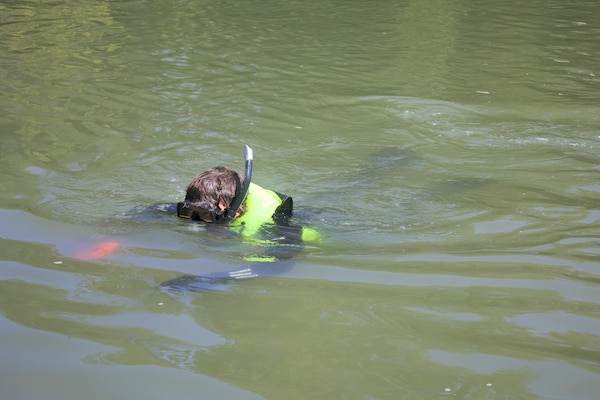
261	216
221	195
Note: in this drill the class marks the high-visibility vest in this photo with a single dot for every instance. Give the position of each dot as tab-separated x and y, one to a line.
264	206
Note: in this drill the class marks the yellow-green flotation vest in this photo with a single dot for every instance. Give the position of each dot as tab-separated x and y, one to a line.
264	206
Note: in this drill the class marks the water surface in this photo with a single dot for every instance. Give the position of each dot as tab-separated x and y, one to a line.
448	152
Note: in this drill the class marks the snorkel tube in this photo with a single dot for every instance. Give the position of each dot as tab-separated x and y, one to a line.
243	192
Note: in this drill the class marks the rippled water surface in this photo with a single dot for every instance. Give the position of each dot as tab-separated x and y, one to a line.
448	152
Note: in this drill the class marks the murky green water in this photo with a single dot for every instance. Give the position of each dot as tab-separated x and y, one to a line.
448	151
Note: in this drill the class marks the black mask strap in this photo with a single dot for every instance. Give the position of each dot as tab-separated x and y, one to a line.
190	211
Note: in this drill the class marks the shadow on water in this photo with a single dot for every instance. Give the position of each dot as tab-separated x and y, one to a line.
389	160
387	191
348	192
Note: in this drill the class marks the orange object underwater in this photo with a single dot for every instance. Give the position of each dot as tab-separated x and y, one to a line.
103	249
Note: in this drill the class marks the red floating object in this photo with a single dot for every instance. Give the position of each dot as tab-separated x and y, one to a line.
102	250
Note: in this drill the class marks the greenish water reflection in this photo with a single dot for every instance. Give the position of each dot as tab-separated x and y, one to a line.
448	151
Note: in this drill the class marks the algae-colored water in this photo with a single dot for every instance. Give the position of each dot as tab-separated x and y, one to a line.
448	151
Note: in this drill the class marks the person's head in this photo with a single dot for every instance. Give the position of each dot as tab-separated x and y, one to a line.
214	190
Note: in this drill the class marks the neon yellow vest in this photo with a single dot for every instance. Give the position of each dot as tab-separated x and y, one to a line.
261	205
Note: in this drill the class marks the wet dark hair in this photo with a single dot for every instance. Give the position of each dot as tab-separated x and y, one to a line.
214	187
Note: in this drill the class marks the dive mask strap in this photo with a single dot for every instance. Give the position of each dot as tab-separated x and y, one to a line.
190	211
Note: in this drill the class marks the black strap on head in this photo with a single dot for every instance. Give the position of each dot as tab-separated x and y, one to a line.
190	211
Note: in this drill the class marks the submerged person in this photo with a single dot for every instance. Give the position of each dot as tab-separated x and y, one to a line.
211	197
261	216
